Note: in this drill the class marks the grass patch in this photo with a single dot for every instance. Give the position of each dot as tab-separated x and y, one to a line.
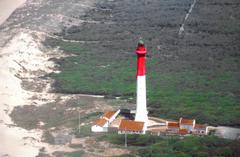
195	76
76	146
75	154
133	140
155	146
193	146
54	114
202	94
84	131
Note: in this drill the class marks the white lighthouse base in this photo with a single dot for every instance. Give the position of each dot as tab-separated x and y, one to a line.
141	112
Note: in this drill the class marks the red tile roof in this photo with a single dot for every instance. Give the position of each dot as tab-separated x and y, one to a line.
173	125
108	114
130	125
183	131
100	122
200	126
186	121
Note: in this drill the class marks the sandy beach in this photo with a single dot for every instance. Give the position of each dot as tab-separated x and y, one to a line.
22	57
7	7
11	95
22	141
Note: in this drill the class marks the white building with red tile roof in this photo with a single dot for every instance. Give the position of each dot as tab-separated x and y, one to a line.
110	115
188	124
200	129
131	127
102	124
183	132
172	127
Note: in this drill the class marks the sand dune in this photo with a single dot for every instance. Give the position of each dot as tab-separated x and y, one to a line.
21	58
7	7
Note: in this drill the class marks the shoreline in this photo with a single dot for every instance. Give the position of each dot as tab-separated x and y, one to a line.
12	94
7	7
23	57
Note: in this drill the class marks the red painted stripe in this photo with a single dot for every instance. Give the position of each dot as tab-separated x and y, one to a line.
141	65
141	49
141	52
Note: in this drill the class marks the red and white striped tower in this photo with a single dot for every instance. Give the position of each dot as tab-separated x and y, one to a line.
141	112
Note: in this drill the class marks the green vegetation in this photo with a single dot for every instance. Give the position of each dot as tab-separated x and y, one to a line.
195	75
47	137
193	146
207	95
75	154
94	73
152	146
135	140
84	131
75	145
55	114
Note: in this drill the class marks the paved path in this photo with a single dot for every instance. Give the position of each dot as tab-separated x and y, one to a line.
227	132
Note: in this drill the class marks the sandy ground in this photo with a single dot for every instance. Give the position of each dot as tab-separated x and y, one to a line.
19	59
23	59
7	7
11	95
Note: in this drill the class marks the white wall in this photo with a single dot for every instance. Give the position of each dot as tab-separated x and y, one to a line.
96	128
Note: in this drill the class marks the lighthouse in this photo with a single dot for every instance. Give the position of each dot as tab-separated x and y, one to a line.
141	111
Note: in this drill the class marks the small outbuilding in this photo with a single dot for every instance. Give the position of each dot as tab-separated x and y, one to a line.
200	129
172	127
102	124
131	127
183	132
187	124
